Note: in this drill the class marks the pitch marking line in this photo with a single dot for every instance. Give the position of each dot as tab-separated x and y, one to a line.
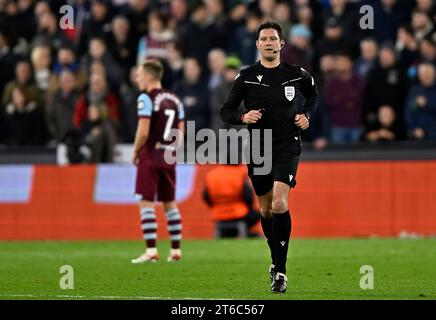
104	297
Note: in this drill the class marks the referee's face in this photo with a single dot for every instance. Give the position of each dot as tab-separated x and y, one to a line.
269	44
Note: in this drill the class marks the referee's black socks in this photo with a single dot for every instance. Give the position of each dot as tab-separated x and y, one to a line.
267	227
281	233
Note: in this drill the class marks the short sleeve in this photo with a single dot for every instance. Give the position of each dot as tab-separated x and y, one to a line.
145	106
181	110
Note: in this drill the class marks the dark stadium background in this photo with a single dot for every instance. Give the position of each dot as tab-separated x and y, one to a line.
68	112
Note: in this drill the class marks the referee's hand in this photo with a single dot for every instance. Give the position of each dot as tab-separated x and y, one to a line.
301	121
251	116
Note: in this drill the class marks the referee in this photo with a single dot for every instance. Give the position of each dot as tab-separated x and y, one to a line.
280	97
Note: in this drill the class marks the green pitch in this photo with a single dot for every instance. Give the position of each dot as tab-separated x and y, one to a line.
225	269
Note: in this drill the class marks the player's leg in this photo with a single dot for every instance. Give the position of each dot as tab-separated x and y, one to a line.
167	194
281	232
149	231
265	202
174	223
146	188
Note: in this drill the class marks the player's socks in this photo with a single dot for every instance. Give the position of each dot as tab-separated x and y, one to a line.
174	221
281	233
267	227
149	226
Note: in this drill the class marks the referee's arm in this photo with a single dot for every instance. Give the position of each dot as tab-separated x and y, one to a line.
229	111
310	92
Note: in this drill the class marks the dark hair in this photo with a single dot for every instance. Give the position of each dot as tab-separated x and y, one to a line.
154	67
269	24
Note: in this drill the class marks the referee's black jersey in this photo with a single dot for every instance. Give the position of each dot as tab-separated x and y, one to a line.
279	91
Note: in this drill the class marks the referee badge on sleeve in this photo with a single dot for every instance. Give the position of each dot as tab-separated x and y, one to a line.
289	92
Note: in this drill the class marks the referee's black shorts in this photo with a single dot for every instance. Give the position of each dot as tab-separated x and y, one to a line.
285	159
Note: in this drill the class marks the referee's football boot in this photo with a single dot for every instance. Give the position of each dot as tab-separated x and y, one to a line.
280	283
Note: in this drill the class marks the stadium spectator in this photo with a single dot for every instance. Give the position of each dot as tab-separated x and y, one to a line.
421	105
318	132
174	70
197	38
99	134
48	32
230	198
7	60
343	98
387	127
422	25
24	80
98	53
344	15
282	14
243	40
178	10
387	78
298	50
406	47
266	8
98	93
25	123
121	46
333	40
427	50
221	23
128	108
192	89
61	107
96	24
137	13
386	13
367	58
44	78
216	61
153	44
427	6
219	94
66	60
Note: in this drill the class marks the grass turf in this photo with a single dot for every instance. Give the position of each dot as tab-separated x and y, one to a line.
224	269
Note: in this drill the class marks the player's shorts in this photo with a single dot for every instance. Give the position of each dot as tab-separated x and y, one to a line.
155	179
285	159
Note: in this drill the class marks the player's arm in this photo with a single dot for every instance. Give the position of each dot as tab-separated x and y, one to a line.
181	125
310	92
140	138
145	107
229	111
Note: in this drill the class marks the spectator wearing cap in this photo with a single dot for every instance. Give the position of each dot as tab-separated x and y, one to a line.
219	94
420	110
387	84
333	40
343	99
298	51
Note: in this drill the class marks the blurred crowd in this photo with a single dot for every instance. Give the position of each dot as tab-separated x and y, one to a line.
77	85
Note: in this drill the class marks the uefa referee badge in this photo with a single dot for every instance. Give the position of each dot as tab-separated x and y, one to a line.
289	92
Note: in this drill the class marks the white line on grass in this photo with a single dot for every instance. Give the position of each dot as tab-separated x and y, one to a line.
64	296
